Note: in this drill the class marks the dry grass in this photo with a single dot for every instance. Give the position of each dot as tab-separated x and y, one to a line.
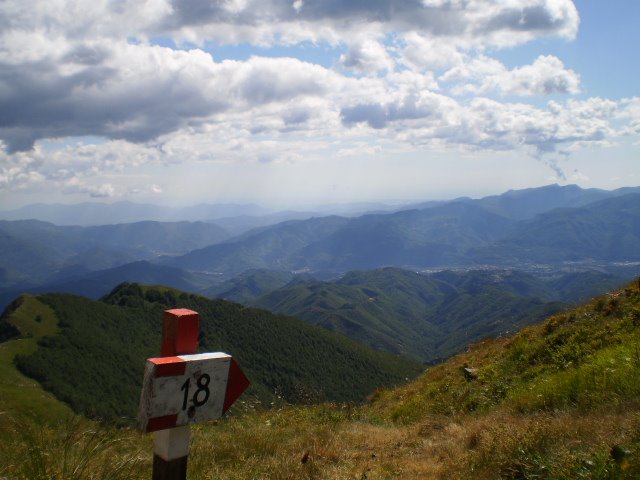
334	442
543	445
73	449
503	444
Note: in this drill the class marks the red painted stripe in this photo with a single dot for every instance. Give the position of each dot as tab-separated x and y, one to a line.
179	332
161	423
237	383
168	366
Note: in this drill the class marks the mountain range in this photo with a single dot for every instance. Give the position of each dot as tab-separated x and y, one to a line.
422	283
453	234
516	204
34	252
550	225
547	229
95	213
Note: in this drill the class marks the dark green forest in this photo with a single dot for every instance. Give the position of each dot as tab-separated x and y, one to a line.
95	362
428	317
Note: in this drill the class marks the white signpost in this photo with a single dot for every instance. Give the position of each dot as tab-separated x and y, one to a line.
185	389
182	388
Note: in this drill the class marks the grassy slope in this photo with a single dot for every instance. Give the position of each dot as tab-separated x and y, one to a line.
19	394
559	400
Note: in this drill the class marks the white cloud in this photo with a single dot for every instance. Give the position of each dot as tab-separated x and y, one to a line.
546	75
487	21
423	52
630	115
494	22
75	185
77	69
486	124
140	92
367	56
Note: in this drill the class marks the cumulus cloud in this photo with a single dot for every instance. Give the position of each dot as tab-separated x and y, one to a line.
140	92
420	53
74	165
134	93
630	115
368	56
69	70
487	124
407	72
545	76
494	21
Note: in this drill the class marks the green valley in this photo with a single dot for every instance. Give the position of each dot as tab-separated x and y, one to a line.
94	362
428	317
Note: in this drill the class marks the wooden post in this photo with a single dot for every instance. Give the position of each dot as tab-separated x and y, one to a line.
171	446
170	453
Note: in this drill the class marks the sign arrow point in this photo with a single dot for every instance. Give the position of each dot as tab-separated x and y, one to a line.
237	383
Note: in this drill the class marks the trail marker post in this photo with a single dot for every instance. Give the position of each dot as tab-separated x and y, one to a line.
182	387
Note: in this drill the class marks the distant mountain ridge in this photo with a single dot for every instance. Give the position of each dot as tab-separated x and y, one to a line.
447	235
437	236
95	213
493	232
97	284
527	203
34	252
607	230
268	247
514	204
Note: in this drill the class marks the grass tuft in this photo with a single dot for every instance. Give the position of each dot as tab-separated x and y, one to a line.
73	449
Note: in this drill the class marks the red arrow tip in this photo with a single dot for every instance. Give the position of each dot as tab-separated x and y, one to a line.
237	383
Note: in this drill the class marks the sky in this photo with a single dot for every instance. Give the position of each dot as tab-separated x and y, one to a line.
305	102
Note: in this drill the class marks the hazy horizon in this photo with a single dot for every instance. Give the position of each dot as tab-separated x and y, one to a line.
310	206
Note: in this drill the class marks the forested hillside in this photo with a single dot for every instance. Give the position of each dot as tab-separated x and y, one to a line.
425	316
428	316
104	344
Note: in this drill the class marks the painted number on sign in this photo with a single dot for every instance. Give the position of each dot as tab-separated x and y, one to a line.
183	389
201	395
